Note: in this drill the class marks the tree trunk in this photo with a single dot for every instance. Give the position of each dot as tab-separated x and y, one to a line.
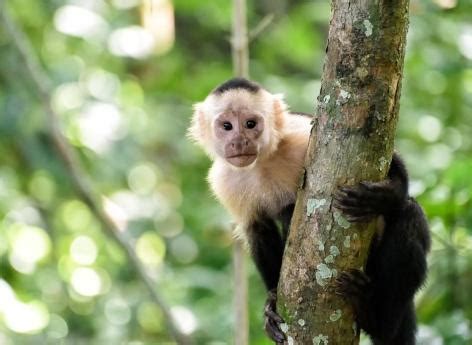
351	141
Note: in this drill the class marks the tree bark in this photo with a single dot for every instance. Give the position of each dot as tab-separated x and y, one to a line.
351	141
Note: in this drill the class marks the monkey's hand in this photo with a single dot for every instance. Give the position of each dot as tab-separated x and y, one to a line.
272	320
355	287
366	200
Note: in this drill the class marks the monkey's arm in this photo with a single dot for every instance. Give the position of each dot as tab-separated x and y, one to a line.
382	297
266	247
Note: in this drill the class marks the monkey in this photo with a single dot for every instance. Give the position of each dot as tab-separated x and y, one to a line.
258	150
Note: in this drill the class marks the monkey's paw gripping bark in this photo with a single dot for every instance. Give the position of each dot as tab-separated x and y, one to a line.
355	286
272	320
366	200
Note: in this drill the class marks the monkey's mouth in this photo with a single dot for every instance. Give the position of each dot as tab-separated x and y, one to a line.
242	160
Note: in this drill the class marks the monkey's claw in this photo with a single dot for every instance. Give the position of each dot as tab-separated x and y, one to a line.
352	283
354	286
364	201
272	320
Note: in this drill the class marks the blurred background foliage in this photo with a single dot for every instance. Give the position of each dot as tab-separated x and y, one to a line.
125	74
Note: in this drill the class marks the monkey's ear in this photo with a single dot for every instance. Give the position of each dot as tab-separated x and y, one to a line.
197	130
280	108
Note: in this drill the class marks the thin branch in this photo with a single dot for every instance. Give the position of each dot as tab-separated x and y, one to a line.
240	49
240	39
263	24
80	182
241	324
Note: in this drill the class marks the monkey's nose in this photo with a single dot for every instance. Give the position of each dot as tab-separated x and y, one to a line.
239	144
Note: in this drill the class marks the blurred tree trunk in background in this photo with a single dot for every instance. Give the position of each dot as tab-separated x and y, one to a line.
352	141
240	50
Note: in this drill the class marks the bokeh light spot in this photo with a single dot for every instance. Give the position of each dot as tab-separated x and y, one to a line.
42	186
429	128
29	244
465	42
439	156
142	178
57	328
27	318
80	22
186	321
100	124
150	248
170	226
172	193
102	85
86	281
67	97
184	249
76	216
83	250
150	317
131	41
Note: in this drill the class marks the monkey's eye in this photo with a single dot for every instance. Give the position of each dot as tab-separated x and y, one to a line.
227	126
250	124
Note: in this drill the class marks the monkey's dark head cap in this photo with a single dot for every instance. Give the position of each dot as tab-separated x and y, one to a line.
237	83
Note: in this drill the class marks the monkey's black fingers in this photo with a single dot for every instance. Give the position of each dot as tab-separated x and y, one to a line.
373	198
354	214
369	187
352	283
354	276
270	307
272	320
346	201
353	286
273	332
272	295
352	209
359	276
359	219
361	195
376	187
358	189
349	192
355	197
347	292
272	315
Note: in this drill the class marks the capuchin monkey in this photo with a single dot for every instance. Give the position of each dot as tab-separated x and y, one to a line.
258	149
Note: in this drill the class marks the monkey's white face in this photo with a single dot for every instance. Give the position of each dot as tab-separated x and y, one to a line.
238	133
237	126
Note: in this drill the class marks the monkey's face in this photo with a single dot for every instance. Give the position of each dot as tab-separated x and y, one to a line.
238	134
238	126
